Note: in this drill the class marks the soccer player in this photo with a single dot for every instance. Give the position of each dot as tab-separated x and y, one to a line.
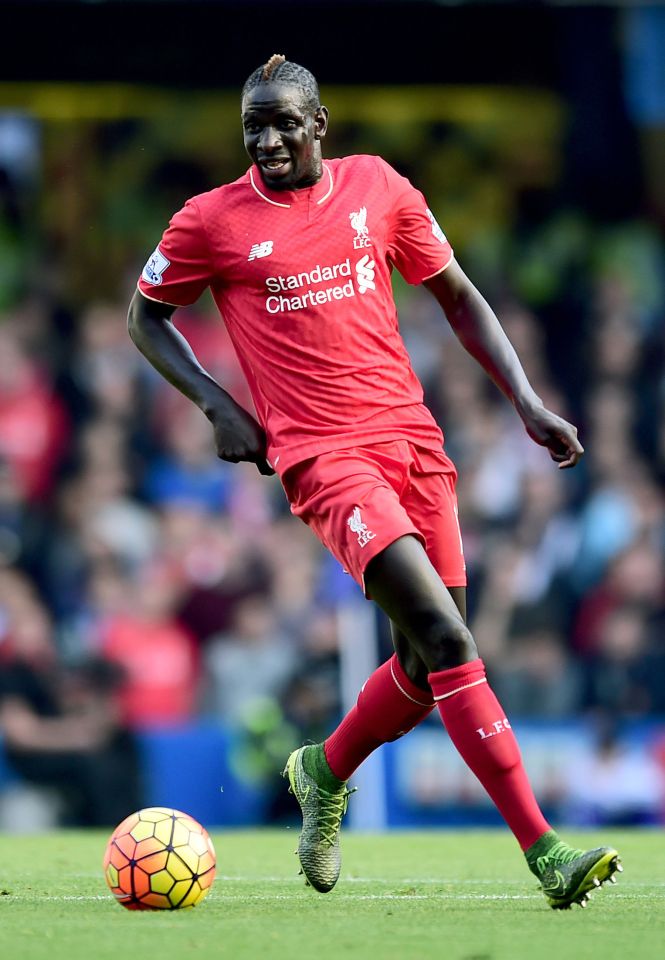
298	255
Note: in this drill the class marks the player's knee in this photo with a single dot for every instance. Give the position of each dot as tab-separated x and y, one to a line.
448	643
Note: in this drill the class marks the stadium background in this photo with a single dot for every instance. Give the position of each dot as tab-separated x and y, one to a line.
167	631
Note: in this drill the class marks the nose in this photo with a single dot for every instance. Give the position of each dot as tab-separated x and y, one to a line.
269	141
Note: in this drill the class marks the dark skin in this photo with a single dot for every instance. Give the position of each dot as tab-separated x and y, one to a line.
283	136
238	436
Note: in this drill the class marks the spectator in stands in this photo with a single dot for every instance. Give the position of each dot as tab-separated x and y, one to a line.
613	782
539	677
252	662
60	725
158	656
188	472
33	425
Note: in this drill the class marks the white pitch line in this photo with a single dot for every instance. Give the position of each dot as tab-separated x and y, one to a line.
301	897
351	897
392	881
397	881
244	898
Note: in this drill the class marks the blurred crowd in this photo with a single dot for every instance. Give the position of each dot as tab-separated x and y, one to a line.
145	583
134	564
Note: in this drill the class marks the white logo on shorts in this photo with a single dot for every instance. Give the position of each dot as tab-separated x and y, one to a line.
358	527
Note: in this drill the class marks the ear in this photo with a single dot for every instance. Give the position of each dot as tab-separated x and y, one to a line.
320	123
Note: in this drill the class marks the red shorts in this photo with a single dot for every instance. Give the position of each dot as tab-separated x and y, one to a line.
360	500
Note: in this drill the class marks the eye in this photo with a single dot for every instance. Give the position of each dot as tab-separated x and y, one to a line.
251	127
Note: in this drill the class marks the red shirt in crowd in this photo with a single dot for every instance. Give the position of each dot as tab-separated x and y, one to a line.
302	280
161	670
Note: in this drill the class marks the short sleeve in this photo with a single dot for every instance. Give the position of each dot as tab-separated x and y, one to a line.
180	268
417	245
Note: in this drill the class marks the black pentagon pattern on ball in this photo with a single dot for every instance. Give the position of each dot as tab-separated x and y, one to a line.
159	858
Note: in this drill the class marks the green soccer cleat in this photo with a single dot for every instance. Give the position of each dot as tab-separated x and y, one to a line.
322	812
568	876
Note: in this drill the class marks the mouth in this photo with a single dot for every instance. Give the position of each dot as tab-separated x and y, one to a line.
274	165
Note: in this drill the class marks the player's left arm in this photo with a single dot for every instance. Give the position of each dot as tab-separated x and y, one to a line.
476	326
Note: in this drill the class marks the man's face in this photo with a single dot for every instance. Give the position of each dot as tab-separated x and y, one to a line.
282	136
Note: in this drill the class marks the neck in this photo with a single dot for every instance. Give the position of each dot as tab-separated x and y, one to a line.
313	178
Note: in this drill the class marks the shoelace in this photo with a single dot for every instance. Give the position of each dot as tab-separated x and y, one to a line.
559	853
332	809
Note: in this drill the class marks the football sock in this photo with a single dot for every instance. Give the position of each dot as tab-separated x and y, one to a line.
388	705
315	764
482	735
541	847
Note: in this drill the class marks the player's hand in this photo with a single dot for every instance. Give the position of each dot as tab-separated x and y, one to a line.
238	437
555	433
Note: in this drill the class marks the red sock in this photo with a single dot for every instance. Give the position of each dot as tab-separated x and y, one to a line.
388	705
479	729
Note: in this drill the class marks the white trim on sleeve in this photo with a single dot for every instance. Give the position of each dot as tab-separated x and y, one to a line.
156	300
441	269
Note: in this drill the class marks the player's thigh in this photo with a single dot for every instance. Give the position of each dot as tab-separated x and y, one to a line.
403	581
459	598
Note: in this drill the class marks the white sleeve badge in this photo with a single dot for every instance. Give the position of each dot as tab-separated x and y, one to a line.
436	229
155	267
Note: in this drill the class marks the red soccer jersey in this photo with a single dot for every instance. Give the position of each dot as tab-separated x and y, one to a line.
302	280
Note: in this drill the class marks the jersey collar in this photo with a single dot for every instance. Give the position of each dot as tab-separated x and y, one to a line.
318	194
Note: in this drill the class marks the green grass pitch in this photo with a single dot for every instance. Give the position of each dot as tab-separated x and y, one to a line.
401	896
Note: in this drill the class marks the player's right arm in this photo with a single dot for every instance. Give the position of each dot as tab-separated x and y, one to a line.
176	274
237	434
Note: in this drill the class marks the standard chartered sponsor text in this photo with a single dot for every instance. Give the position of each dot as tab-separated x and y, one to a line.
308	278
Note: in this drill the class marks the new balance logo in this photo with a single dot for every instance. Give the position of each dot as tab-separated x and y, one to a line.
499	726
365	274
357	526
260	250
359	223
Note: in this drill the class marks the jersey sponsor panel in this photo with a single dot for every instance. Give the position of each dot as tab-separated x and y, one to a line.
310	298
364	281
317	274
